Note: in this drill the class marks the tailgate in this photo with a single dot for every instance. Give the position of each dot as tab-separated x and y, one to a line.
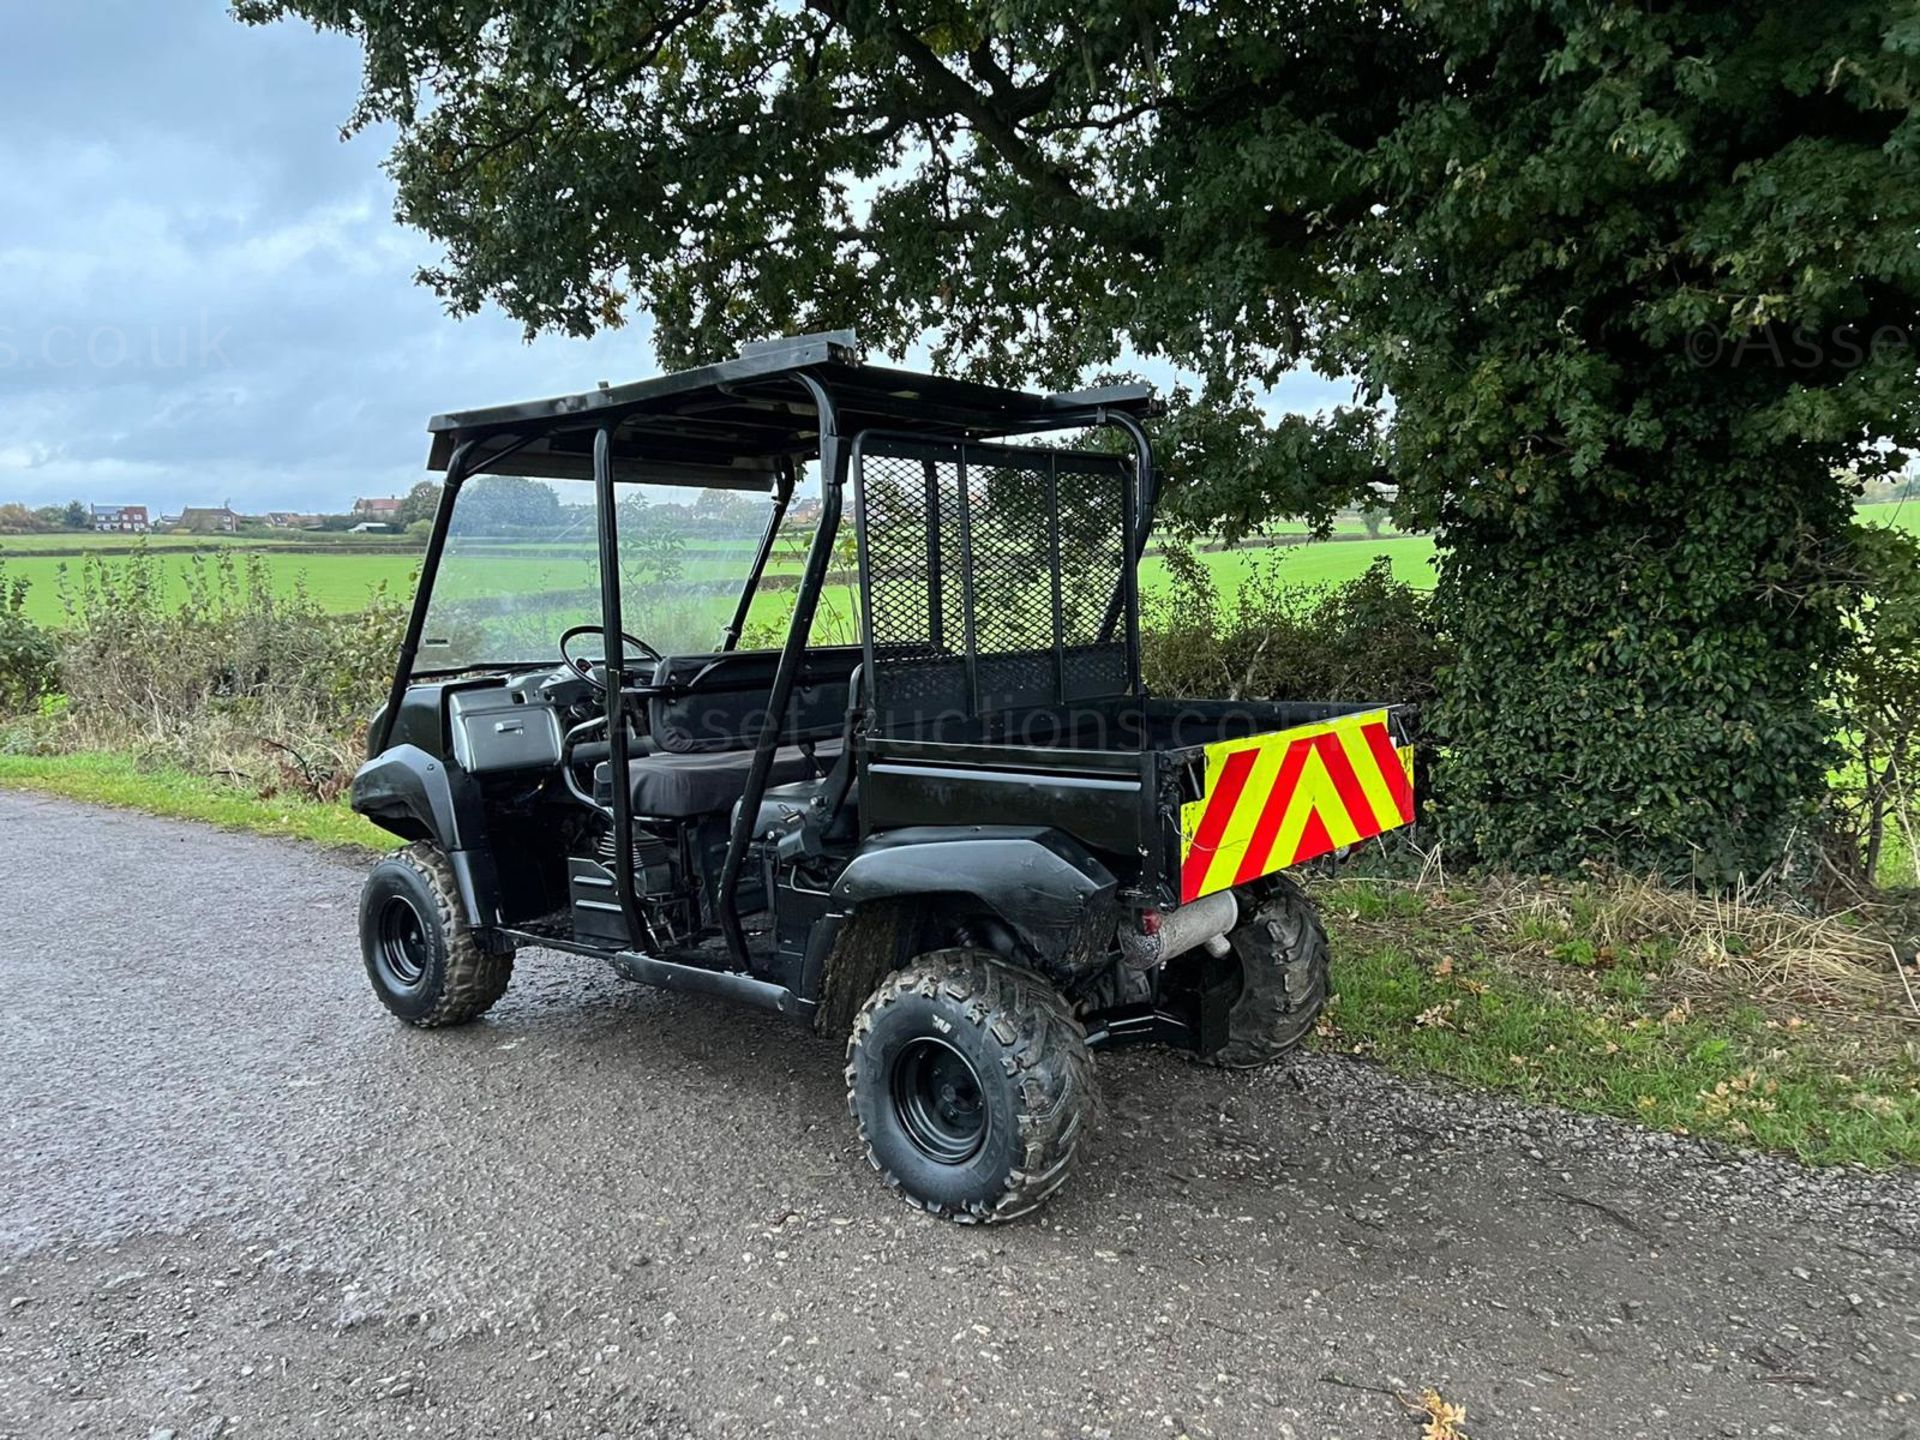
1280	798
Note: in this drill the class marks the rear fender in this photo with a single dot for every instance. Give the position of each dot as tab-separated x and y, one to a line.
408	791
1059	901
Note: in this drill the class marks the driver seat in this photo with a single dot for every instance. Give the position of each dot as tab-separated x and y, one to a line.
671	785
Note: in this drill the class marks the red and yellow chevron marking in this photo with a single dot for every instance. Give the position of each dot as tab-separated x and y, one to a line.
1279	799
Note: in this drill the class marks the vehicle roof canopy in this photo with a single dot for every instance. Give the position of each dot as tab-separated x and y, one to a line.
738	423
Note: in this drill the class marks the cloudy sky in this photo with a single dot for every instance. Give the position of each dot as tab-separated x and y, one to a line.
203	294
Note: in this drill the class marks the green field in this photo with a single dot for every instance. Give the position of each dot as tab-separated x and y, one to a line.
1904	513
341	581
65	542
336	582
1329	563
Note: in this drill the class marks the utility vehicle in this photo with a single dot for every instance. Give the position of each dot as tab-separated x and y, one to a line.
958	833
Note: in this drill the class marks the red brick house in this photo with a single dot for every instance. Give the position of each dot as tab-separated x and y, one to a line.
129	518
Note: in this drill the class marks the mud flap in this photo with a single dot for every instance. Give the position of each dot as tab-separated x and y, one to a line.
1213	1001
1194	1016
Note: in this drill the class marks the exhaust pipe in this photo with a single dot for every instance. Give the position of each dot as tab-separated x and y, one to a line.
1165	934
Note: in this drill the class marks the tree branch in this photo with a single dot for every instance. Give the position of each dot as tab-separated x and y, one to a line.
1000	132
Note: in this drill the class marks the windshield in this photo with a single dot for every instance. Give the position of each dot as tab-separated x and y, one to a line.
522	564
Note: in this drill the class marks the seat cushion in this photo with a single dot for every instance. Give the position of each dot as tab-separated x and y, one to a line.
677	787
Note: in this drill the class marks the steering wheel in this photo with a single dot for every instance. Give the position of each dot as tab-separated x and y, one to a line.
584	667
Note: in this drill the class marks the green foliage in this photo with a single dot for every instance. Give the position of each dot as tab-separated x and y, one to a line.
1732	1076
1646	696
651	560
418	505
29	659
1231	471
1674	229
1877	696
1369	639
1637	283
836	618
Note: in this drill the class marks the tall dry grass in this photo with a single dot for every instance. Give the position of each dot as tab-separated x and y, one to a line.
1770	945
238	677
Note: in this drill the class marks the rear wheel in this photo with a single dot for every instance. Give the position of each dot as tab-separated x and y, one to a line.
970	1081
426	964
1282	950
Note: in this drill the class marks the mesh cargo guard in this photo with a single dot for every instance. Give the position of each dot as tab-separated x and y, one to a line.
994	577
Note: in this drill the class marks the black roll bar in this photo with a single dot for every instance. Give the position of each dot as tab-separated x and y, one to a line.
607	527
459	469
1147	484
812	579
782	494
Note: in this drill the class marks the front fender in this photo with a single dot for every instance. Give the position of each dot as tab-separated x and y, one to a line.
417	797
409	792
1046	887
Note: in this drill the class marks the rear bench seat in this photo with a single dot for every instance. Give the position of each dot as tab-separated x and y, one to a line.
672	786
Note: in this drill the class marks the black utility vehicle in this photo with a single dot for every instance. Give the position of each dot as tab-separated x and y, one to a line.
966	838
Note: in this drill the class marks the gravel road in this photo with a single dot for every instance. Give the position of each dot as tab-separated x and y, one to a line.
237	1198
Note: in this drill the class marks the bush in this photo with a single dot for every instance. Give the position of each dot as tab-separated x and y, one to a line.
1645	690
29	658
233	677
1877	696
1372	638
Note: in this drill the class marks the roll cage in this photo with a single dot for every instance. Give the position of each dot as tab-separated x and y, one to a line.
751	423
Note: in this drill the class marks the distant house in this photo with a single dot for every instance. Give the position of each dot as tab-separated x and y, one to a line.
378	507
131	519
209	520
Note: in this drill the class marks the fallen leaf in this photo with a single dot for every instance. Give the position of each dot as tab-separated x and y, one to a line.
1443	1418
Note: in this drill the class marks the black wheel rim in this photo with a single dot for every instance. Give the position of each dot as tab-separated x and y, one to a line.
402	942
938	1101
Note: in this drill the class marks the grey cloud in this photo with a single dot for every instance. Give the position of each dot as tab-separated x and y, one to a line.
203	294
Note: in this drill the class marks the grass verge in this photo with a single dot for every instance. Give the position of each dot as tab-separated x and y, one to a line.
1552	1004
122	780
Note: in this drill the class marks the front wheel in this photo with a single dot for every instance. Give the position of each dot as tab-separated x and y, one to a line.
426	964
1282	950
970	1081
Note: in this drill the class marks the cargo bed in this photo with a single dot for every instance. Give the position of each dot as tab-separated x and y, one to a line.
1182	798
